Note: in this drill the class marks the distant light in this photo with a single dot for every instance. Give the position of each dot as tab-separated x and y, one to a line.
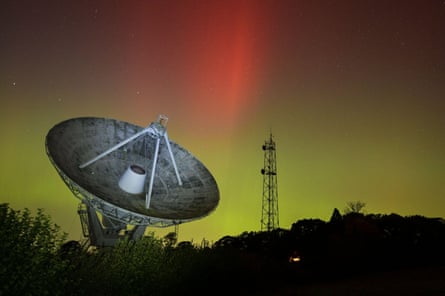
294	258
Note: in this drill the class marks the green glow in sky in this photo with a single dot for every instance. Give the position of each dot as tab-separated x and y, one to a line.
352	92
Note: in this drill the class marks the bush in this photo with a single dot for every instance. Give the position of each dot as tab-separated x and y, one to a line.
30	260
131	267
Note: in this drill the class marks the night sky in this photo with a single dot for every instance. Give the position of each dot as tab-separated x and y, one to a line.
352	91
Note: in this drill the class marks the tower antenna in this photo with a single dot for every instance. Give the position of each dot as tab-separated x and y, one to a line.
269	212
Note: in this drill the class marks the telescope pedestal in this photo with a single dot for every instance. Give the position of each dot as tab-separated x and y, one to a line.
105	231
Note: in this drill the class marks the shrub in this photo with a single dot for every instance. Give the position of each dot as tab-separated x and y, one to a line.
30	260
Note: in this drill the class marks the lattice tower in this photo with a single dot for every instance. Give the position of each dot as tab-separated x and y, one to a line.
269	216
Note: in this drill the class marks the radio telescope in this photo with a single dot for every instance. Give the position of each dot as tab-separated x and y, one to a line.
128	177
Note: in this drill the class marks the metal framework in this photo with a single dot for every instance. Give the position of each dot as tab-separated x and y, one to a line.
156	130
105	231
102	231
113	211
269	213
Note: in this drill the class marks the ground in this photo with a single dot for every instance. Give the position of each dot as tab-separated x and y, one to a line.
410	281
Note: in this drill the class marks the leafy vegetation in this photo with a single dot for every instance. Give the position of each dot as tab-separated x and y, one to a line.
37	259
29	247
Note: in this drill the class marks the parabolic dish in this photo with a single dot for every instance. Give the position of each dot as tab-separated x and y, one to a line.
75	141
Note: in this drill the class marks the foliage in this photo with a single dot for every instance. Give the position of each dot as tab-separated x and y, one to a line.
37	261
354	207
29	247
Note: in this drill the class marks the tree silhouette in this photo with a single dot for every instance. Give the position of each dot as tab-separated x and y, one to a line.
170	239
336	216
36	260
354	207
